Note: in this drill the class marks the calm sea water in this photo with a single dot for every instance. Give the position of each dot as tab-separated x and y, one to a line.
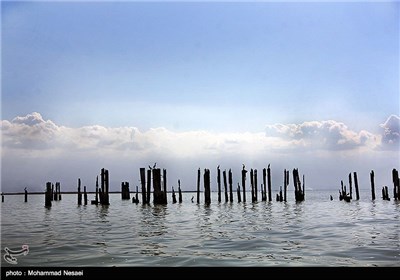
315	232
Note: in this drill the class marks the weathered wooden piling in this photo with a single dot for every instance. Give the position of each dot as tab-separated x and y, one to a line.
372	184
173	195
2	197
255	185
298	190
244	171
96	198
52	192
264	198
142	172
105	183
385	193
396	184
48	195
230	185
225	185
26	195
198	186
343	193
207	189
350	186
165	200
79	192
179	191
219	183
356	185
285	183
84	195
159	195
269	183
148	186
238	194
252	184
125	193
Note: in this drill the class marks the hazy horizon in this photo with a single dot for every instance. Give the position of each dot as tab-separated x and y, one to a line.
189	85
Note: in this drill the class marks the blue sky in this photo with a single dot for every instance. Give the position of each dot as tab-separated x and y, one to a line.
232	68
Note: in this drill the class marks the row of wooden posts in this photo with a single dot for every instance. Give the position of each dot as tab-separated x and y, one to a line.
348	196
153	177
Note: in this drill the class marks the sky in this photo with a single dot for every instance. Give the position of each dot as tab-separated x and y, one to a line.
187	85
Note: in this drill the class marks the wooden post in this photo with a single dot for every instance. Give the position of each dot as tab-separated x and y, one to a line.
284	185
244	171
84	195
396	187
97	191
179	191
2	197
252	184
387	193
26	195
356	185
269	183
207	195
225	185
52	192
165	201
298	192
148	186
350	186
79	192
255	185
198	186
143	185
142	172
230	185
47	202
265	184
287	181
173	195
157	193
125	190
372	184
107	184
219	183
280	194
238	194
102	186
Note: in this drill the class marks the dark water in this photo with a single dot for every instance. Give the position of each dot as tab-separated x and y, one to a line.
315	232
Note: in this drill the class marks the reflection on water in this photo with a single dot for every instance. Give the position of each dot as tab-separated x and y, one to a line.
314	232
102	213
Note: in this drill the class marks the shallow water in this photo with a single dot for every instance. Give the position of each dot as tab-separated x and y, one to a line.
315	232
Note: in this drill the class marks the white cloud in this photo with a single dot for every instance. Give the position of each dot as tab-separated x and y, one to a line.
29	132
391	133
329	135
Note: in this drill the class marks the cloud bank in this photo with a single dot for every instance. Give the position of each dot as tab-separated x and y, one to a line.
35	150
